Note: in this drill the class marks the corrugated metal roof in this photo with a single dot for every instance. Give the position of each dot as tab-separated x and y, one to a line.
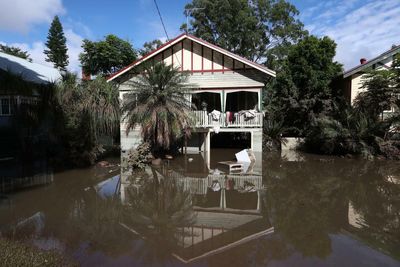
369	63
30	71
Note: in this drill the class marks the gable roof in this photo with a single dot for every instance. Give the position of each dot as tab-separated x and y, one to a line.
31	72
197	40
371	62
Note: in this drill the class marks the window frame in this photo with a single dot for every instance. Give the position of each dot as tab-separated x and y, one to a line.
10	108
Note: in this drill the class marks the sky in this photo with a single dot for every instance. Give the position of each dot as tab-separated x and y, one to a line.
361	28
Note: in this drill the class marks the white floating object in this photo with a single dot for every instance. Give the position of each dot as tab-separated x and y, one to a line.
243	156
190	159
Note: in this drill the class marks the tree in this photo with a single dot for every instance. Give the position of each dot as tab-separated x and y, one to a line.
150	46
378	95
158	105
248	28
91	109
56	44
382	90
302	90
15	51
361	129
353	133
100	100
106	56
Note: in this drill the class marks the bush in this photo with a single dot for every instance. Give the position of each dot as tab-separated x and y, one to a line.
138	158
272	134
355	133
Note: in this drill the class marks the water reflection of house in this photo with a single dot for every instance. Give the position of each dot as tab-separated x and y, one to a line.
226	90
228	209
215	233
216	190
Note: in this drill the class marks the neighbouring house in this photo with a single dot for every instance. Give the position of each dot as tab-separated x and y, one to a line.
225	88
20	83
32	73
352	79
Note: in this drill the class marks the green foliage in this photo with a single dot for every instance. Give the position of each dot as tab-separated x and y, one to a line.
15	51
56	51
273	130
396	74
14	253
66	119
355	133
253	29
150	46
90	109
158	104
106	56
379	94
301	91
361	129
100	100
138	158
382	90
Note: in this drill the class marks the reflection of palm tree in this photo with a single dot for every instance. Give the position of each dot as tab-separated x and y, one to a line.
158	105
159	211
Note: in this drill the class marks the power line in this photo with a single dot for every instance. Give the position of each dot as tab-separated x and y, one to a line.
166	34
162	22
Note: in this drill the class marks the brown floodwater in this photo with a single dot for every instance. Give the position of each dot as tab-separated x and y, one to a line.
287	209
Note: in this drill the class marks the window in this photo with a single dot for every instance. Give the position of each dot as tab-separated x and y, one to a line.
5	106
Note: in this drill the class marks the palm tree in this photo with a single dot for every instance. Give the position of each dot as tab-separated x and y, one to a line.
158	104
354	133
101	101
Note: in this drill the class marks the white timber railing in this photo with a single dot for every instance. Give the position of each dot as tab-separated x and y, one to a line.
199	185
204	119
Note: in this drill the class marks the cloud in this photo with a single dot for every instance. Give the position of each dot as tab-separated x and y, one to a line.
360	28
74	42
35	49
21	15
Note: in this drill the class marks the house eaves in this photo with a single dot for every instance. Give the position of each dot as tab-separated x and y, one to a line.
371	62
201	42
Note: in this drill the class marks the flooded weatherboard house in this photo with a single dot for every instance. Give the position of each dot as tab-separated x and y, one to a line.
225	88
